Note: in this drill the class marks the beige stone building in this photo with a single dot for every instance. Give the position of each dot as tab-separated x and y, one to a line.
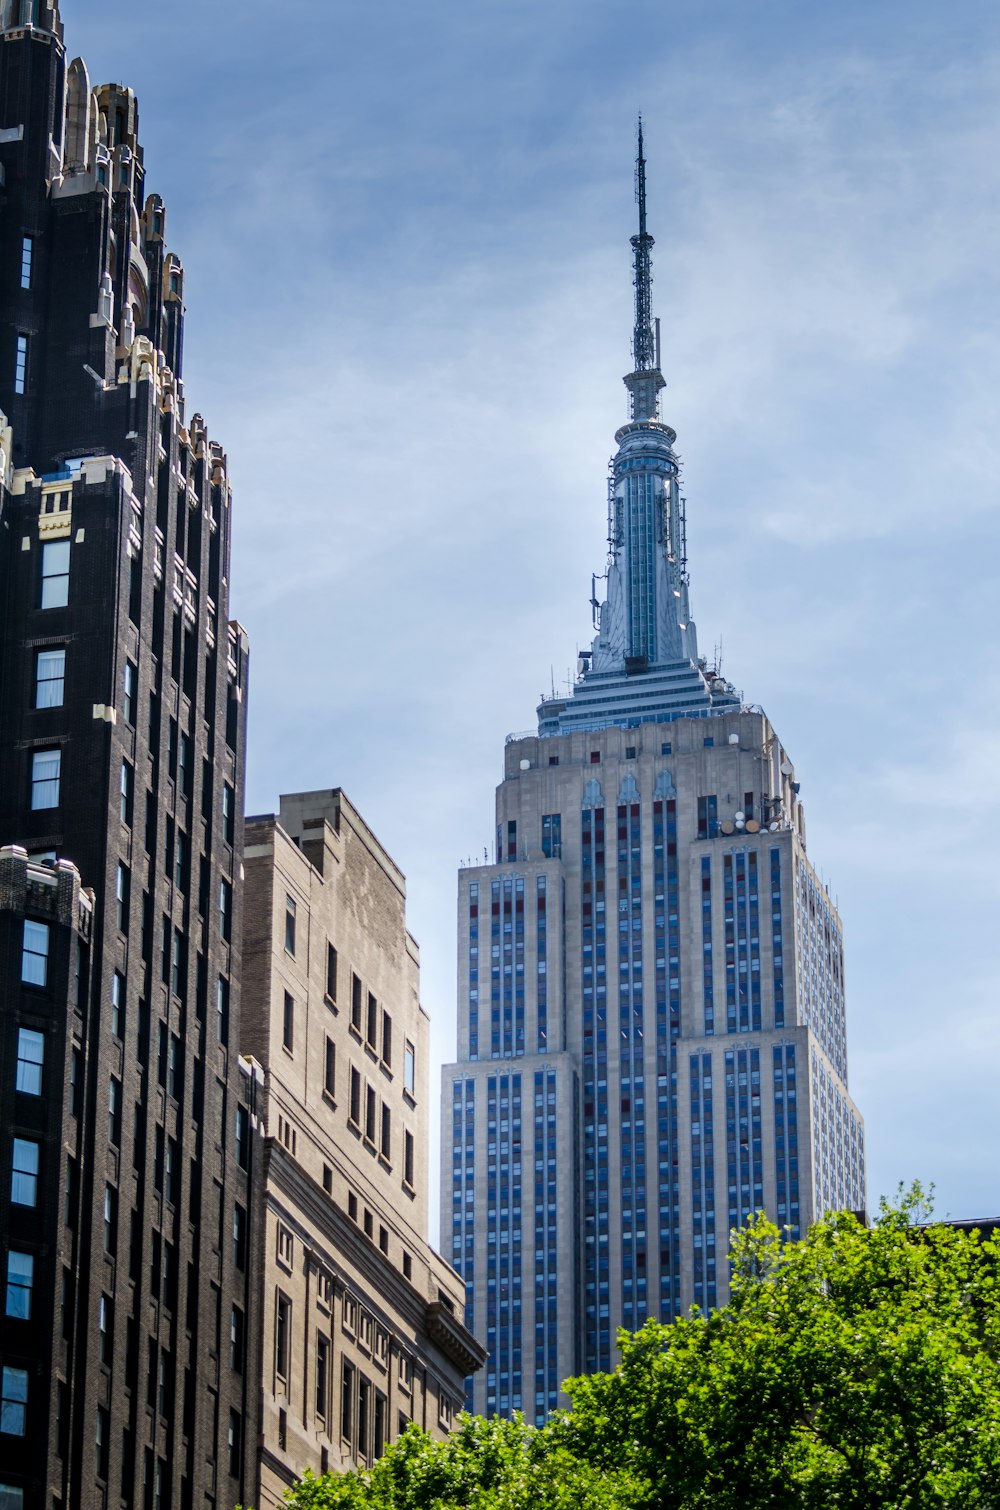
361	1319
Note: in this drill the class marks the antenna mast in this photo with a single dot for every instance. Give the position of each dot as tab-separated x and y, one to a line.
645	344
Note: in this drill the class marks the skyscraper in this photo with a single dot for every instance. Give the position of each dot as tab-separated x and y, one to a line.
124	1135
652	1038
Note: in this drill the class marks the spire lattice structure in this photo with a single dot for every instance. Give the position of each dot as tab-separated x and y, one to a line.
644	352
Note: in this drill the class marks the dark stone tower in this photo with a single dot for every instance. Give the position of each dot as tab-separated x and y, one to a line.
124	1114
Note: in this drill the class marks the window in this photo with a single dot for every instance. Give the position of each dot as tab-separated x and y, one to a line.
282	1335
355	1109
445	1412
405	1373
228	813
239	1237
552	835
125	793
330	1074
128	702
666	749
236	1334
372	1024
24	1173
289	925
225	910
595	757
20	1278
14	1401
184	765
30	1058
27	252
235	1442
110	1214
370	1106
46	766
50	678
380	1409
242	1137
122	897
356	1003
630	752
118	1005
408	1159
364	1406
386	1143
222	1009
347	1403
104	1328
55	574
386	1040
21	365
286	1247
331	972
35	953
407	1266
410	1069
322	1375
288	1023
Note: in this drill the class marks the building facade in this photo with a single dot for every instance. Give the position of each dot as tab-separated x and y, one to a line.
652	1040
124	1200
362	1328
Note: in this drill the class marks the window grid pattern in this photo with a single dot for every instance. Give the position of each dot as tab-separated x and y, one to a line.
546	1253
503	1244
634	1252
838	1143
703	1182
666	919
777	941
821	969
541	966
597	1279
744	1162
642	507
473	969
708	952
507	968
742	917
463	1213
786	1140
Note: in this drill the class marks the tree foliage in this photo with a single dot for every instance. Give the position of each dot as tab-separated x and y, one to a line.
854	1369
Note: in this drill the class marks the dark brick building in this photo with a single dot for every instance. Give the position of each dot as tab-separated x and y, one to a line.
125	1129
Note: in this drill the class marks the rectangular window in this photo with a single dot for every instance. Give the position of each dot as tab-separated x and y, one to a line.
114	1112
370	1109
379	1425
239	1237
14	1401
228	813
552	836
55	574
30	1058
289	925
330	1074
364	1407
386	1143
243	1137
222	1009
347	1403
50	678
410	1069
288	1023
225	910
35	953
118	1005
235	1443
356	1003
20	1279
125	794
236	1333
408	1159
24	1173
386	1040
372	1024
27	255
282	1335
21	365
331	972
46	768
355	1110
322	1375
184	765
122	898
128	701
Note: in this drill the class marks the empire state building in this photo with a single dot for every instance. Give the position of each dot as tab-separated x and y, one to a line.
652	1036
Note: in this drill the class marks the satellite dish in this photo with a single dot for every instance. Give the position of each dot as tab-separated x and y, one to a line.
525	765
773	827
728	826
741	823
787	768
740	816
753	827
734	739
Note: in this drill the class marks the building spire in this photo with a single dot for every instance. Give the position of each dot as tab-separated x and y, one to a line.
645	380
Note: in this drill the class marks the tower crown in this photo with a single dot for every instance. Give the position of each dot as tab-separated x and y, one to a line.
645	380
42	15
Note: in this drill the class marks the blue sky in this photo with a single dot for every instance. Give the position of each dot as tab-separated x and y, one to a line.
405	232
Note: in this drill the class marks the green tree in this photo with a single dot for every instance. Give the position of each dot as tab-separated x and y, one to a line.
484	1465
853	1369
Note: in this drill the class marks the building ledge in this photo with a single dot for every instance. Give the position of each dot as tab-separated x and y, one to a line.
452	1338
